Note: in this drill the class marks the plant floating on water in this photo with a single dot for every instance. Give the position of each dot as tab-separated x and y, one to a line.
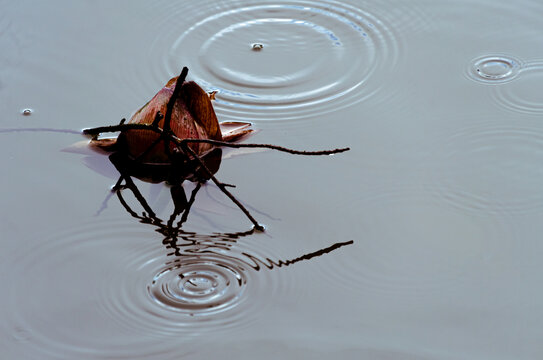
178	130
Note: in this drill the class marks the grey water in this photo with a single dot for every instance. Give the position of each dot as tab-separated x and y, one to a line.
421	242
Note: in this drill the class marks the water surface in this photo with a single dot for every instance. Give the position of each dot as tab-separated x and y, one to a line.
439	101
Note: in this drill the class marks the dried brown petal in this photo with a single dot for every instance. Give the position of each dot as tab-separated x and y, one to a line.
192	117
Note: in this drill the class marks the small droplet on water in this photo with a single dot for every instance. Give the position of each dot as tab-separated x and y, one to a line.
27	112
257	47
495	69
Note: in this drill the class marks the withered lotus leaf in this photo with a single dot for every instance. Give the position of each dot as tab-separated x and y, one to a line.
192	117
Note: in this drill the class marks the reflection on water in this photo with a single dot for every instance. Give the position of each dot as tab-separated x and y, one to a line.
206	275
150	287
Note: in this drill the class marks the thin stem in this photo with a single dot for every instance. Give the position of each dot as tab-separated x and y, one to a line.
178	141
267	146
130	184
158	117
189	205
167	132
173	98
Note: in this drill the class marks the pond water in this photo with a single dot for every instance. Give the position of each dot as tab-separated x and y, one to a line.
441	103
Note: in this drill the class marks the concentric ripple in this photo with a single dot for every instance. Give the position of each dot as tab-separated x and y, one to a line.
491	168
186	292
112	288
203	281
313	57
523	95
494	69
199	285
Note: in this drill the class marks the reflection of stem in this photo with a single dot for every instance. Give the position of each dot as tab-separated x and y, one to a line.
257	263
170	232
214	244
130	184
223	187
150	213
191	201
270	263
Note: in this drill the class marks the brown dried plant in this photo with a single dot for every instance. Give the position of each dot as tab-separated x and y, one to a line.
178	130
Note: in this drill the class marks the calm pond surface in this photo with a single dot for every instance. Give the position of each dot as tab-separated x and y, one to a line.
441	103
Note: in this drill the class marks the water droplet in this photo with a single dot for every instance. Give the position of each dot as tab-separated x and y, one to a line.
257	47
494	69
27	112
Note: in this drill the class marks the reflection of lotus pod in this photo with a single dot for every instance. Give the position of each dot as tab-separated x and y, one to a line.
193	117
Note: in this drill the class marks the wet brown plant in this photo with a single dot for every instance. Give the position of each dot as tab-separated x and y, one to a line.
180	152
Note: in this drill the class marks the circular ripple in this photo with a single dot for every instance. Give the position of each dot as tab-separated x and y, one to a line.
492	169
198	285
494	69
132	294
523	95
316	57
206	282
211	288
412	245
